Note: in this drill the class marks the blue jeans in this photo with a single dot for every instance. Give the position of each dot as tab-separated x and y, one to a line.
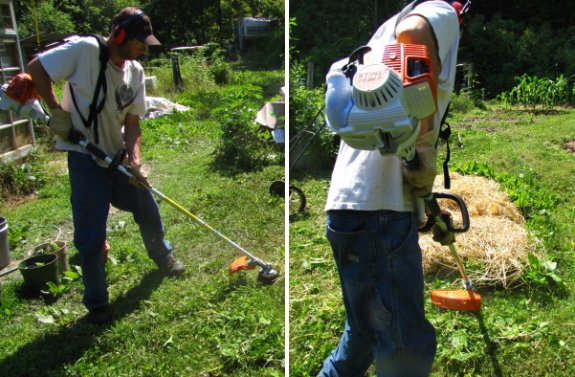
380	268
93	190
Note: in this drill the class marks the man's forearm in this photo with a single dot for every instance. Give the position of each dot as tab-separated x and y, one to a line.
43	83
415	29
132	139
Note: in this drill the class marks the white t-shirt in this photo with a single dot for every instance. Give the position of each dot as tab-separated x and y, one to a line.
77	62
365	180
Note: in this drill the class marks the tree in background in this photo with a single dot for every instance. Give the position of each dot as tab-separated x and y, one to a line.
501	40
176	22
191	23
62	17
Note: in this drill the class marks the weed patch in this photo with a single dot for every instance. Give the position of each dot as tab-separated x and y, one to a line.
18	179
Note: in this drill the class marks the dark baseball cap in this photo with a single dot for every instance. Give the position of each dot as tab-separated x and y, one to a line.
136	25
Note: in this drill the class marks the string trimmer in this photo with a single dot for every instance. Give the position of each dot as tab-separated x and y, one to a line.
247	262
451	299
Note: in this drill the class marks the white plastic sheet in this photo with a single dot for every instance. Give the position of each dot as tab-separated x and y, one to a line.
158	106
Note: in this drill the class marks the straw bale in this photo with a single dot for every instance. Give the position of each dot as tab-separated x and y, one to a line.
496	246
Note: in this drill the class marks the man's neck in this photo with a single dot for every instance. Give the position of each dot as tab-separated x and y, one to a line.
115	55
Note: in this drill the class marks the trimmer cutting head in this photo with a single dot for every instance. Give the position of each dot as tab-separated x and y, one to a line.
456	299
267	275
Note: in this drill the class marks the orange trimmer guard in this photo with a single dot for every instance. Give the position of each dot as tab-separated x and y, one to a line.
241	263
457	299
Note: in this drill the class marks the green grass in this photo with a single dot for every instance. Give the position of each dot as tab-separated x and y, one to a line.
206	323
523	332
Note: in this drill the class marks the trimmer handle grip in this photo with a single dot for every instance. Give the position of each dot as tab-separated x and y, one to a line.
96	151
433	207
413	164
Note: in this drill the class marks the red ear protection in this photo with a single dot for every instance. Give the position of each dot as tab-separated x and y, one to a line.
458	9
119	33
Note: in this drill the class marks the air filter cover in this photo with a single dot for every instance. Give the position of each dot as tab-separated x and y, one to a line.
375	86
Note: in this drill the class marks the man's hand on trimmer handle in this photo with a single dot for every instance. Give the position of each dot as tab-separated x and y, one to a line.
420	172
140	176
440	221
444	237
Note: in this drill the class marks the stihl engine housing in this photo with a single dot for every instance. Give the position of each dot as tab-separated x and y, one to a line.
20	96
379	105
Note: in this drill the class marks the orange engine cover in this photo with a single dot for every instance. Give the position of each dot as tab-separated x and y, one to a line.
412	63
21	88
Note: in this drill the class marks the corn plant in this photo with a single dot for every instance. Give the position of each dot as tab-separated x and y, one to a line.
532	91
562	88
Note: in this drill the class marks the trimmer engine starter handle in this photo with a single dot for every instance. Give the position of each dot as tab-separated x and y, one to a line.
356	55
433	207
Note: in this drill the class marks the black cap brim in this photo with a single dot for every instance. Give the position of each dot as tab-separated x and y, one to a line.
149	39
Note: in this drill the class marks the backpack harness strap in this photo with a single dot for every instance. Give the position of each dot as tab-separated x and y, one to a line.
101	85
444	134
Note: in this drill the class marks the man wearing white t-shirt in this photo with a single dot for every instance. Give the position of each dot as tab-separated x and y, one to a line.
372	225
115	127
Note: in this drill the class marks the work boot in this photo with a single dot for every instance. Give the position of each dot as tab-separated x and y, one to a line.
100	316
171	266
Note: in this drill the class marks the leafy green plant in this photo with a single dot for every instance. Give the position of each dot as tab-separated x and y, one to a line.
480	169
68	277
18	234
242	144
542	273
220	71
20	178
536	205
56	289
522	189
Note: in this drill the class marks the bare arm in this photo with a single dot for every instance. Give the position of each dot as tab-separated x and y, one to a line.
43	83
132	138
415	29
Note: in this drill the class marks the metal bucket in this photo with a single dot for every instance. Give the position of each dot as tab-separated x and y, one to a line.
4	251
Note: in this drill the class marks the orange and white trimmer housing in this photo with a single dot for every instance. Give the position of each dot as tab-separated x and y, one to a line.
412	63
21	97
21	88
377	104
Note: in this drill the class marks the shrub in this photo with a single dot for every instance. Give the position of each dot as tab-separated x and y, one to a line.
18	179
220	71
464	103
267	53
242	144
